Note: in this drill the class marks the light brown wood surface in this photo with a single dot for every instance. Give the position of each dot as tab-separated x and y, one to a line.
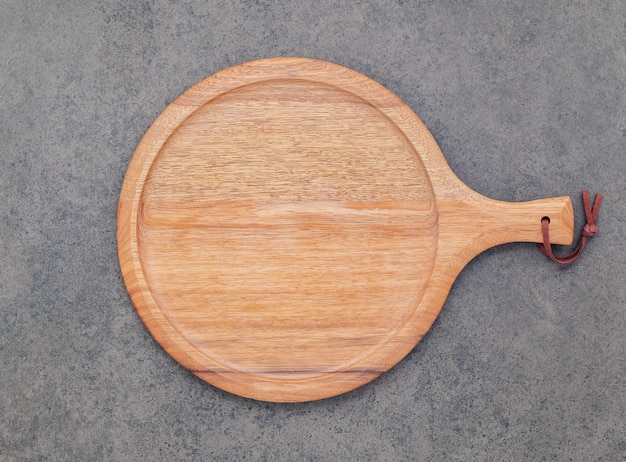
288	229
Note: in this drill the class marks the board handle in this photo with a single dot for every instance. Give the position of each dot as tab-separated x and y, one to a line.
474	223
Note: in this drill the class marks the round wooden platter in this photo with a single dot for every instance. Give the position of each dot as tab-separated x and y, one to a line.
288	229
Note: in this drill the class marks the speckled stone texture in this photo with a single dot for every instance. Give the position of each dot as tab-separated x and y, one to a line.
527	360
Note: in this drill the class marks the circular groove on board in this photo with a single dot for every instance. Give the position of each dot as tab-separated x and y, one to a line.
278	234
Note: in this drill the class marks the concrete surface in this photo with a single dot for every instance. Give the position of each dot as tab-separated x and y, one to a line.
527	360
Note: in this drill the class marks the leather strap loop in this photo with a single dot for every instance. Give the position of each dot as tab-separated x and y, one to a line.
590	228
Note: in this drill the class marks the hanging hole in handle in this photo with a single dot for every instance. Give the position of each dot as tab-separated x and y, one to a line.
545	218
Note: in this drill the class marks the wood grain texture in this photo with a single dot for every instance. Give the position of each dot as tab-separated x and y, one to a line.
288	229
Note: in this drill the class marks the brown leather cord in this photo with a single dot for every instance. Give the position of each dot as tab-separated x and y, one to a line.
588	230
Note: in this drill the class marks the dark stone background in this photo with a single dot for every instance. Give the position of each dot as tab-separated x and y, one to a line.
527	359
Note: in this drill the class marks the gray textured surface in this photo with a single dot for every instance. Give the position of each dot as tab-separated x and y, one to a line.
526	361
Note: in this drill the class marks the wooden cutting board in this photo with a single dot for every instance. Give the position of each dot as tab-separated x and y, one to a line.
288	229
